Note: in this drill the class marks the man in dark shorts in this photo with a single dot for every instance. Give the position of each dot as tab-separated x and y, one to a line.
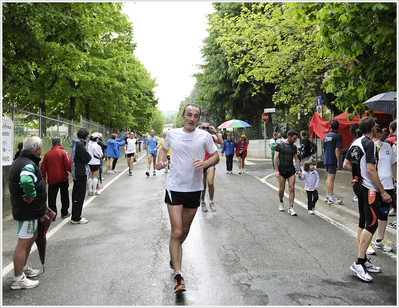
184	182
361	161
287	151
332	146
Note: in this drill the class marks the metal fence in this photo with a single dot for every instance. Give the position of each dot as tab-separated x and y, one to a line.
36	124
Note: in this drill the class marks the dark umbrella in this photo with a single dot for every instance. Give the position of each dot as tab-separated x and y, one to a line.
384	102
41	241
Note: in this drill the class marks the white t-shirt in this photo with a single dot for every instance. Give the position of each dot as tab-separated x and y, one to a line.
131	145
183	176
96	153
386	158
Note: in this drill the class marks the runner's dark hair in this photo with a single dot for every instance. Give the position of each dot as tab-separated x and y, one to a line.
192	105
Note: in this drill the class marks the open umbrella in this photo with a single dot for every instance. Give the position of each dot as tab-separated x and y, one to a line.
41	241
234	124
384	102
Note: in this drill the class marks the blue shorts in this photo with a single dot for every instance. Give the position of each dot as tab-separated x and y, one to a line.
331	169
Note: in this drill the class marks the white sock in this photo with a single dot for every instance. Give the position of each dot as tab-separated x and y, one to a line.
95	184
18	278
178	272
90	184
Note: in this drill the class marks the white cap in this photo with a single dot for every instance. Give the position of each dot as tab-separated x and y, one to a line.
94	135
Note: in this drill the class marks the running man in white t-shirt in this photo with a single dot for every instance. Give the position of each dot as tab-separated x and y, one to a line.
131	148
184	181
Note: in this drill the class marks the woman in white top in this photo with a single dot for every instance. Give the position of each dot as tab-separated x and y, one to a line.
131	149
94	164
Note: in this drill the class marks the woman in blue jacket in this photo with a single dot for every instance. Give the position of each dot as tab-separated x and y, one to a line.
117	149
111	152
228	147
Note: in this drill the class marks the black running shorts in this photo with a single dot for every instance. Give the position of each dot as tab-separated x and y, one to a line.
187	199
94	168
286	171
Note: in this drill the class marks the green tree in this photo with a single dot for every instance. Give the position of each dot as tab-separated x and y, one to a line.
361	37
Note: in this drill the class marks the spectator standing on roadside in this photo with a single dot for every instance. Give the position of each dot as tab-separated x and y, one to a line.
103	148
386	167
312	179
273	142
28	201
80	169
95	152
384	134
20	145
392	141
55	167
241	153
286	152
332	146
361	161
184	182
228	146
307	156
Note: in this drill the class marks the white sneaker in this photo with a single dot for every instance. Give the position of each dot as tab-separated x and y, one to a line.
97	193
203	206
371	267
212	206
239	172
291	212
79	222
361	272
310	212
326	199
30	272
227	172
380	245
335	201
370	250
24	283
281	206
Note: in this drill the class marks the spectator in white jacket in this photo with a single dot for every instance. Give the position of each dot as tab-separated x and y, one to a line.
96	153
312	179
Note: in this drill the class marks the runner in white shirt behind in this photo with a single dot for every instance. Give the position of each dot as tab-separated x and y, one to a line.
184	182
131	148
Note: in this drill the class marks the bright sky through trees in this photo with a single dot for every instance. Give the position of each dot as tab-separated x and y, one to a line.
169	37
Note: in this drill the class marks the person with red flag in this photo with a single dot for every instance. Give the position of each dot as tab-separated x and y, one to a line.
28	201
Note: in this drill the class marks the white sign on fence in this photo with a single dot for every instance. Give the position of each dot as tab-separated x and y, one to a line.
7	138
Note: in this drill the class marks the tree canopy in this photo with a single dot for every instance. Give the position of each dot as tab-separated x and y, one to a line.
75	59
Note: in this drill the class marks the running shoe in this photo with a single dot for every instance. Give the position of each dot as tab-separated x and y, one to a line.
97	193
392	224
170	264
291	212
203	206
310	212
361	272
99	186
147	174
79	222
370	250
335	201
179	284
212	206
154	173
24	283
326	199
281	206
227	172
392	212
66	216
90	193
354	199
240	172
30	272
371	267
382	245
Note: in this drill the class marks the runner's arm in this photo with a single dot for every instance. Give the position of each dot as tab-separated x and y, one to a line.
162	161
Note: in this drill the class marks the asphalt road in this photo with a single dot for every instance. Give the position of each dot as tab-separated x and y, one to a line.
247	253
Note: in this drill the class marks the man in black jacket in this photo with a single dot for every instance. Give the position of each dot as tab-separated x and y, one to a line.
80	169
28	200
